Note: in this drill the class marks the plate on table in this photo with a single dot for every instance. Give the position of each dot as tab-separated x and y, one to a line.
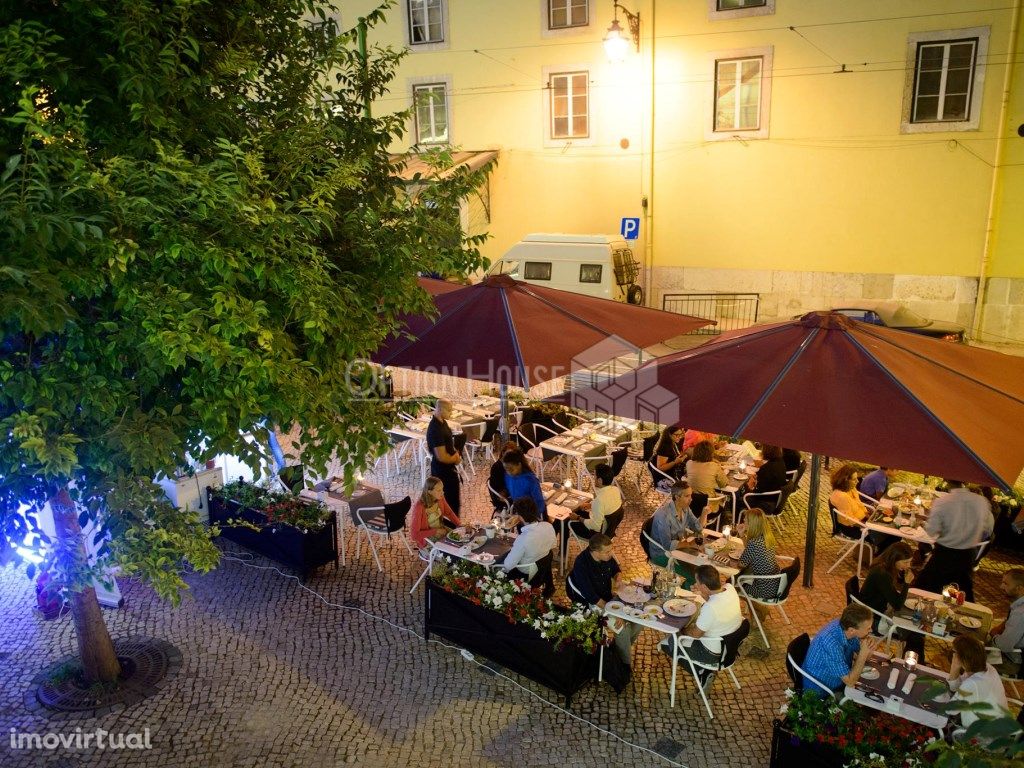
460	535
870	673
486	558
479	541
894	493
908	529
970	622
735	554
614	605
738	475
652	611
679	608
887	519
912	603
631	593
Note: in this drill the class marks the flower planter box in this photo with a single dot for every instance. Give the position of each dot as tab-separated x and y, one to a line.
787	751
514	646
302	551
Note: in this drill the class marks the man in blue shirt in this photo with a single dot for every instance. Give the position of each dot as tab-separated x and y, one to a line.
672	520
876	483
838	652
520	481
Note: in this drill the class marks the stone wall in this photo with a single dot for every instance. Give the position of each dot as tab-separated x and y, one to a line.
1003	319
784	293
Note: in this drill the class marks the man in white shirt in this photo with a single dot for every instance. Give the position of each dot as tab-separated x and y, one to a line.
535	540
607	501
719	616
959	522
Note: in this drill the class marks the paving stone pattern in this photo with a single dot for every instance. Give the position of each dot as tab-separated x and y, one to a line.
273	676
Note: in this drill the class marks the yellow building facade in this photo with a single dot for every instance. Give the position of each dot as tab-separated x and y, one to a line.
815	152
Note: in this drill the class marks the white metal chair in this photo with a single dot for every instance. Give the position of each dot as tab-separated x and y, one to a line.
796	652
843	528
427	556
488	429
771	500
383	522
659	478
783	583
704	672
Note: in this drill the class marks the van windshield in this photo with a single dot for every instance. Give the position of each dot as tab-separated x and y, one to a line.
502	267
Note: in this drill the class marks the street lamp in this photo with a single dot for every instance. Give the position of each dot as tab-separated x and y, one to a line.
616	43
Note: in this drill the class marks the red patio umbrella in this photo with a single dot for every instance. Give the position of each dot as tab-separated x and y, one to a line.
834	386
517	334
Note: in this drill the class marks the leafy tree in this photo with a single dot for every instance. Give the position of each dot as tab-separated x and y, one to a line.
200	234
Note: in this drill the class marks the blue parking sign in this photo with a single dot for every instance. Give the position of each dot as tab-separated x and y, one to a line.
630	229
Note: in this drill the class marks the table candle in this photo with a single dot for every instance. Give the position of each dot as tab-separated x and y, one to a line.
726	531
568	484
910	660
917	500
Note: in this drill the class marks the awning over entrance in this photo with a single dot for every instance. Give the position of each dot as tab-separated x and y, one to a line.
413	164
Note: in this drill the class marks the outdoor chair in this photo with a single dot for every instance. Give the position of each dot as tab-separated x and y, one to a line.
382	522
487	429
781	582
881	625
543	576
659	478
851	532
529	441
716	510
641	452
768	501
796	652
612	521
500	503
647	542
704	672
852	589
399	447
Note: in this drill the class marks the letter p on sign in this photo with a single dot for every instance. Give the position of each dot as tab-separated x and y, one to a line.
630	229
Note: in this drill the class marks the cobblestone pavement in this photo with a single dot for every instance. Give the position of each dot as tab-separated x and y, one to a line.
274	676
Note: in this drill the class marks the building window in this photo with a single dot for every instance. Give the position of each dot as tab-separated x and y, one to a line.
943	78
731	9
426	22
431	109
563	14
537	270
570	105
590	273
945	75
738	94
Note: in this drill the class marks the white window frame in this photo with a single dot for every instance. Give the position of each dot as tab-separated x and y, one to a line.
973	121
545	21
434	45
765	53
547	94
714	14
421	82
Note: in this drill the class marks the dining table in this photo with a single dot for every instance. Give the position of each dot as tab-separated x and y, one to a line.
577	448
888	685
721	557
363	495
562	502
669	616
971	619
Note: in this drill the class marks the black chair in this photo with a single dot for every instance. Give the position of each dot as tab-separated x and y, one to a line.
852	588
796	653
382	522
644	456
800	472
619	456
703	672
646	540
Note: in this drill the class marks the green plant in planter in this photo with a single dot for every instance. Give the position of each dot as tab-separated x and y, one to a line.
278	507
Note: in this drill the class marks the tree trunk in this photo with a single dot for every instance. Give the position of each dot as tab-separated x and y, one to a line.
99	662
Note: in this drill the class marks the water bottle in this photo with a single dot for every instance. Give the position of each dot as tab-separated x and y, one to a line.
654	582
917	613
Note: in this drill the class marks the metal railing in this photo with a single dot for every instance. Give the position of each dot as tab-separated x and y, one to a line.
729	310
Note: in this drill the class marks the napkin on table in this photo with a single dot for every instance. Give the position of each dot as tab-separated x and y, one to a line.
893	677
910	682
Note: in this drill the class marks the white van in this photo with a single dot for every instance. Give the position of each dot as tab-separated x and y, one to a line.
596	265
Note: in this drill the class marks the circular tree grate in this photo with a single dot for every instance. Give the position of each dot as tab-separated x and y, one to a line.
145	662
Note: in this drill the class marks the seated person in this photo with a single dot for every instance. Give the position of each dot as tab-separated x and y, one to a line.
839	651
671	522
719	616
535	540
876	483
885	590
791	458
607	501
845	499
496	481
594	578
703	473
759	556
973	680
522	483
668	458
693	436
771	475
1008	636
431	517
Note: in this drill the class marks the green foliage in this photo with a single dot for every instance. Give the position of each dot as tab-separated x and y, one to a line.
278	507
200	233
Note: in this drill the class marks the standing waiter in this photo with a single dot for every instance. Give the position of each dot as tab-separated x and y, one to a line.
959	522
444	456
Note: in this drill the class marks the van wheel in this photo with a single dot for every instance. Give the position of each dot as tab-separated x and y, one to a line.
635	295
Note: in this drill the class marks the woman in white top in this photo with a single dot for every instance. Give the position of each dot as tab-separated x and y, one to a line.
703	473
973	680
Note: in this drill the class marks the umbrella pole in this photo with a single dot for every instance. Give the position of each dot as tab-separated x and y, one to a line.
503	394
812	519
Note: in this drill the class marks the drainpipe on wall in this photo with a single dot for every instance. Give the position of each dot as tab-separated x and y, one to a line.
648	201
993	199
